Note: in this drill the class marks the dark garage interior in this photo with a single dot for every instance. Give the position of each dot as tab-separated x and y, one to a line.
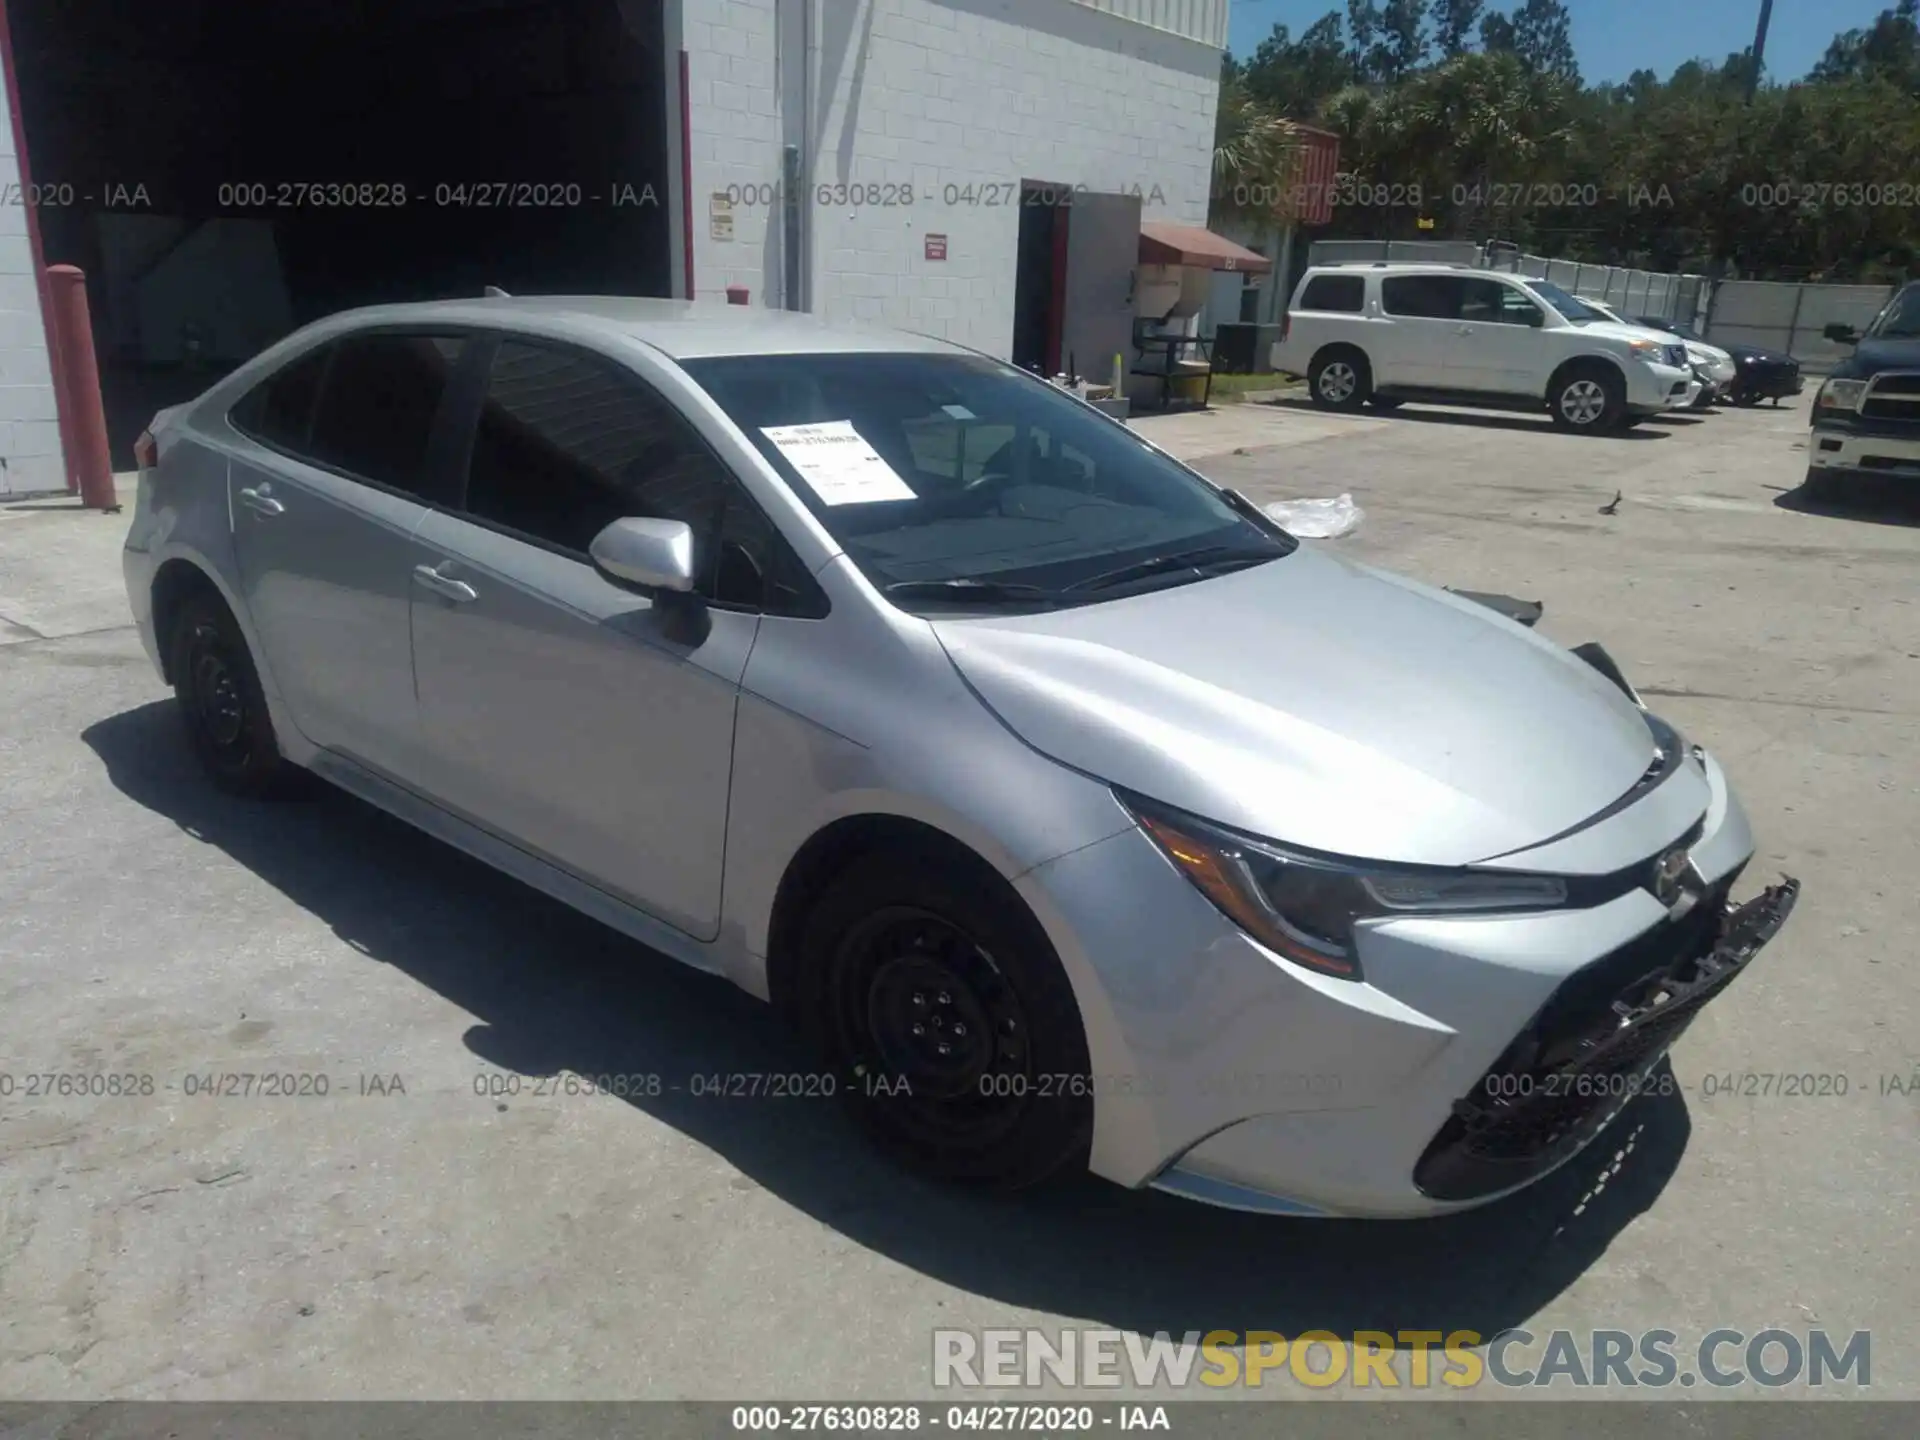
226	170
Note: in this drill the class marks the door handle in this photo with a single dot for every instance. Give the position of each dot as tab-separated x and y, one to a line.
440	585
260	502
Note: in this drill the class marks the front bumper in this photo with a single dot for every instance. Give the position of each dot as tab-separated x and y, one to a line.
1848	443
1769	382
1226	1074
1652	387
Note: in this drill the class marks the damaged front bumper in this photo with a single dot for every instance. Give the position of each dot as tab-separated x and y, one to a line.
1587	1055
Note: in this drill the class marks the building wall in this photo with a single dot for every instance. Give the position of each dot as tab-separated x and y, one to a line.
922	117
30	458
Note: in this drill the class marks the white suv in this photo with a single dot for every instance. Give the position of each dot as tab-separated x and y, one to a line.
1384	333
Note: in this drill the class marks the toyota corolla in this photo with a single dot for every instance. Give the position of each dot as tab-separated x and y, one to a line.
1077	814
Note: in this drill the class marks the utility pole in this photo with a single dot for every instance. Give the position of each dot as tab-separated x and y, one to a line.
1759	48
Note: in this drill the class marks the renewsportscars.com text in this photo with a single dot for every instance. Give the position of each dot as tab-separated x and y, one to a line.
1407	1359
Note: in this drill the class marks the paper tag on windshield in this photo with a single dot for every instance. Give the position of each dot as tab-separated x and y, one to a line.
838	463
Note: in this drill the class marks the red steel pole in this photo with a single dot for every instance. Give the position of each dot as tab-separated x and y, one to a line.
86	437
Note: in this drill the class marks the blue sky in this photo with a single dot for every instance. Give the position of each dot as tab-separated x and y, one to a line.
1616	37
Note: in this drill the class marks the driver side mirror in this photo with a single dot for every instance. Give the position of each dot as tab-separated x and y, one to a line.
651	556
1842	333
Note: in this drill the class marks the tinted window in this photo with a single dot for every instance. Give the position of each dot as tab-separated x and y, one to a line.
1346	293
1426	297
1490	302
568	443
280	409
931	468
377	408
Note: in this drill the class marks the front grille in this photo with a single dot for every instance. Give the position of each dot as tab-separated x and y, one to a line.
1893	396
1579	1058
1677	356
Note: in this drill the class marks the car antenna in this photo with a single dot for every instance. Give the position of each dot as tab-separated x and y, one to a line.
494	292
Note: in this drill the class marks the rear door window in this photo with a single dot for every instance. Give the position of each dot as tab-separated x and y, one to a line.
279	410
377	409
1424	297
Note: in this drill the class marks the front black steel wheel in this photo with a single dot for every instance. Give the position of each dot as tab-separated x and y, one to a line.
947	1022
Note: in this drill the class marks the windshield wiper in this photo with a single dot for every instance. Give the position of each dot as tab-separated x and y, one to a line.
967	588
1212	555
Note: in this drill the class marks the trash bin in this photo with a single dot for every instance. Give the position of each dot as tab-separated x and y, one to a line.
1243	349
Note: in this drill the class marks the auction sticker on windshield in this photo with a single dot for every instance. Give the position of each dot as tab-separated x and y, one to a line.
838	463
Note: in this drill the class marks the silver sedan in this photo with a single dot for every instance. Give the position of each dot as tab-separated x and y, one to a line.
1077	814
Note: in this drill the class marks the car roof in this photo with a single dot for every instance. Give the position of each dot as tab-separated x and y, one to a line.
1409	267
684	330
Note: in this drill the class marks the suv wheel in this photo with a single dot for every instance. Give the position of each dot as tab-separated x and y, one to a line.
222	704
1340	380
1589	400
937	1005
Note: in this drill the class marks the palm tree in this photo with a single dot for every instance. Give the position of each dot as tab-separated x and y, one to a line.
1255	158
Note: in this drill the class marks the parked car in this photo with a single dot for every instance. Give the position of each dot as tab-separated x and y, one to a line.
1758	374
1866	417
1076	813
1711	366
1387	333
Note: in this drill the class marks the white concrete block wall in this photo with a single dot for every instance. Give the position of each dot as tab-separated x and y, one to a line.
940	97
29	432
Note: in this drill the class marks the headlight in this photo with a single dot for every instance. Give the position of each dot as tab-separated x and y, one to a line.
1840	395
1306	907
1648	349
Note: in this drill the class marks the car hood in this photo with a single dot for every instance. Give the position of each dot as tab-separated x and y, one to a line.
1870	357
1756	355
1319	703
1620	330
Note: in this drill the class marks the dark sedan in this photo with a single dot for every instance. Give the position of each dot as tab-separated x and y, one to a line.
1758	374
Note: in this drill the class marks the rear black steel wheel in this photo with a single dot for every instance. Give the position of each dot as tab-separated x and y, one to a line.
222	705
951	1030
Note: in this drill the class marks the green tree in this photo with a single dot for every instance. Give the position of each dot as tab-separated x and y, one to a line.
1888	49
1403	39
1496	33
1292	77
1453	22
1363	29
1543	37
1255	153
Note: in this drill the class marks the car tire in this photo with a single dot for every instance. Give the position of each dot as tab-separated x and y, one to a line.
1385	402
1822	486
1340	379
908	951
1746	399
1588	400
223	706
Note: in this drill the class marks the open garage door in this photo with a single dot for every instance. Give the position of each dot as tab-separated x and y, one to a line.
224	170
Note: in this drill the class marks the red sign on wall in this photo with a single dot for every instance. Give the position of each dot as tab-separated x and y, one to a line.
936	247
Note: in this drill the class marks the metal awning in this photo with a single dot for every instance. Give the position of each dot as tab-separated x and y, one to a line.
1164	244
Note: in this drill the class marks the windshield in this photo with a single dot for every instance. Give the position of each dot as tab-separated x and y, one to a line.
1576	310
960	474
1901	319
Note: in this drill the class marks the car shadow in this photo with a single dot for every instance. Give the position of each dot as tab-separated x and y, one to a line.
1876	499
558	992
1481	419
